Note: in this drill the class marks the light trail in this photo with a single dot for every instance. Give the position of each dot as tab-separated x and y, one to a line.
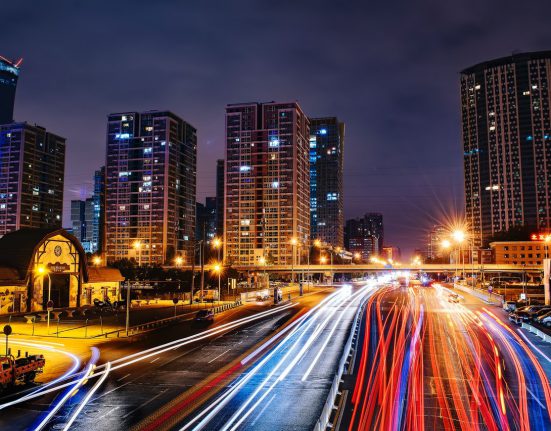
69	393
86	399
145	354
295	351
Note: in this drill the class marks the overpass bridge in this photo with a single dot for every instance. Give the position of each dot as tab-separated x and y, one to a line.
377	268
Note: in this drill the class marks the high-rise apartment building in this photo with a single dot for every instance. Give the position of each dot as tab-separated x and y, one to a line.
32	165
206	220
434	246
220	174
87	216
150	187
9	73
326	180
507	143
365	235
267	197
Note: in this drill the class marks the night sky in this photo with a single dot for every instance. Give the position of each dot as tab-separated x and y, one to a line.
389	70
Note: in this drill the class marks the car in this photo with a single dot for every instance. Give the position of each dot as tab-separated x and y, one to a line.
453	297
541	317
204	316
545	319
525	314
262	297
510	305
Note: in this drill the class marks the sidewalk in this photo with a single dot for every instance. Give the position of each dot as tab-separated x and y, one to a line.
99	325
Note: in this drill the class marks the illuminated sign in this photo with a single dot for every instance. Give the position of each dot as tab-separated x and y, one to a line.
540	237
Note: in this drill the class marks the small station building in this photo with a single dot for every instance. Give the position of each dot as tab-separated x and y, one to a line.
37	263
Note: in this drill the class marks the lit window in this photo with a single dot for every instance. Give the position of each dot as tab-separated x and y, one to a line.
275	184
244	168
323	131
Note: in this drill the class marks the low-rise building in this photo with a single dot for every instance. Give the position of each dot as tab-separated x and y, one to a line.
37	264
520	252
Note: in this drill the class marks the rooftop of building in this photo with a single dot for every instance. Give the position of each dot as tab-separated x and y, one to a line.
513	58
12	63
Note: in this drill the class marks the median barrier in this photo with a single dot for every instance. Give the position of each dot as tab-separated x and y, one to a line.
323	422
545	337
492	298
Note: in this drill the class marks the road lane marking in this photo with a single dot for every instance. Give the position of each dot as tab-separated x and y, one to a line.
536	399
108	413
144	404
221	354
112	390
156	359
533	345
123	377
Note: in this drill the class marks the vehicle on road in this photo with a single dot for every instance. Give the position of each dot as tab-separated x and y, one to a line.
204	316
453	297
13	370
262	297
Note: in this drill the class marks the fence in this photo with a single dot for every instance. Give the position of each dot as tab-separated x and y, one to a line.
146	327
329	405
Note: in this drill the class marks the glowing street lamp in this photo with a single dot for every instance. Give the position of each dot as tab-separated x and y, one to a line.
96	260
178	260
458	236
217	268
323	260
446	244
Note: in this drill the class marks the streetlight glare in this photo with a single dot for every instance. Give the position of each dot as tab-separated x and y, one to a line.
41	270
216	242
178	261
459	235
294	241
446	243
137	244
97	260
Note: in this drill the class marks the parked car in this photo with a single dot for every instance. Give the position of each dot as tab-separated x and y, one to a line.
204	316
510	306
525	314
545	319
542	317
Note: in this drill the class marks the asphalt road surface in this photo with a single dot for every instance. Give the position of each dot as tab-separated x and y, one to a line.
146	376
427	362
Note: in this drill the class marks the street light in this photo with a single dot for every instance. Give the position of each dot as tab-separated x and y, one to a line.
294	242
218	269
178	260
323	260
96	260
44	272
138	246
217	244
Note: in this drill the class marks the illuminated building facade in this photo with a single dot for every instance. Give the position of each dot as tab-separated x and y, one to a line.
326	180
365	235
506	125
267	190
150	187
32	166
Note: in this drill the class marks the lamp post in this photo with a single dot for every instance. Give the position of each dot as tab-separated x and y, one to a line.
96	260
44	272
178	261
293	248
218	269
138	246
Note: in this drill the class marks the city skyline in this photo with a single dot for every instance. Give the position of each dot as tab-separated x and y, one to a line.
388	144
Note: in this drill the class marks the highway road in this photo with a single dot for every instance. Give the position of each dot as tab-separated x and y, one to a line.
133	382
287	380
424	362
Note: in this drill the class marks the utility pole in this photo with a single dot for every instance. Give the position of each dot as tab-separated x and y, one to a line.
202	257
192	273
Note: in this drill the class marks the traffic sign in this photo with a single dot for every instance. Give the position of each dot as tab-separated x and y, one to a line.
7	330
50	305
175	300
